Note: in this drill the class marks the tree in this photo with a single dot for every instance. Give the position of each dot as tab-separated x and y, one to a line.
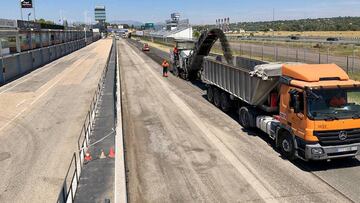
43	21
319	24
196	34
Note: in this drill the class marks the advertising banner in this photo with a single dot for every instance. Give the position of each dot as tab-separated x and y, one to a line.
26	4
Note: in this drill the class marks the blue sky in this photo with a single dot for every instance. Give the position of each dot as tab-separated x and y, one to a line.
198	11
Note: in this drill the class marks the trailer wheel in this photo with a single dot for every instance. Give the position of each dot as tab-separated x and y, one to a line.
217	99
244	117
287	146
225	102
210	94
175	70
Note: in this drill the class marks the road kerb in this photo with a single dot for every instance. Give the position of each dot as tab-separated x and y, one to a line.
120	192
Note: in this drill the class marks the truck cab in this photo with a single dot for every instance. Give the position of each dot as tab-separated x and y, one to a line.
310	111
319	112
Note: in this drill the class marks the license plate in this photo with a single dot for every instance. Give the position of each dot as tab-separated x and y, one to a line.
346	149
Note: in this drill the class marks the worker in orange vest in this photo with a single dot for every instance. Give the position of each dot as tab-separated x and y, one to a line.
337	101
176	53
165	66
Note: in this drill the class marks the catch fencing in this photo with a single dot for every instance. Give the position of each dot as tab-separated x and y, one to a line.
72	178
16	65
274	53
289	54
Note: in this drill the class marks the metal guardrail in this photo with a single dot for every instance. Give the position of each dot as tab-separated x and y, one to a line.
72	177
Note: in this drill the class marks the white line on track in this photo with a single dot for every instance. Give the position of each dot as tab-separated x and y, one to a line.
29	77
17	105
10	121
249	175
42	94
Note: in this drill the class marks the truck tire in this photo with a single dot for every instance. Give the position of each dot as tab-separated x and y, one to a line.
175	71
217	98
210	94
287	147
245	117
225	102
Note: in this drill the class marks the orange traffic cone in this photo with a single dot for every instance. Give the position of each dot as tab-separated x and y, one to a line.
88	156
112	153
102	155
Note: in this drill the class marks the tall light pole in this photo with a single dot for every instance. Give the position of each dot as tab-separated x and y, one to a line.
33	2
28	15
21	11
61	17
85	16
273	22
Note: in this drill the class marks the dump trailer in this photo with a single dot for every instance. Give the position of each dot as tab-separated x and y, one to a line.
311	112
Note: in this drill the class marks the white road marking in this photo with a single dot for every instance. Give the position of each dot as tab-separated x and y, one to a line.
17	105
249	175
29	77
42	94
14	118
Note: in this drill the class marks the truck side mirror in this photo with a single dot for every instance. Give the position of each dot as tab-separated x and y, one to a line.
297	108
296	98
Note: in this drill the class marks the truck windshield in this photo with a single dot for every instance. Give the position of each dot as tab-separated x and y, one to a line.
334	104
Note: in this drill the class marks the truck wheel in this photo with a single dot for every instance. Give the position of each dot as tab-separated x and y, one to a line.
244	117
225	101
217	98
287	146
210	94
175	71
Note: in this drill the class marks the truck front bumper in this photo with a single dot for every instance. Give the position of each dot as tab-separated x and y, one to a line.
318	152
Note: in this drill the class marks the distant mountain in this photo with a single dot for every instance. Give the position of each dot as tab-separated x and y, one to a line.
129	22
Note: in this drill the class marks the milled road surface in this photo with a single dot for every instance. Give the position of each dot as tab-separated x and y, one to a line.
180	148
41	116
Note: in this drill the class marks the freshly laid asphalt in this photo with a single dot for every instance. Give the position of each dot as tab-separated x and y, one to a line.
98	175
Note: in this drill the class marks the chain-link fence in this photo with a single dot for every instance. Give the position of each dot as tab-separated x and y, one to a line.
288	54
273	53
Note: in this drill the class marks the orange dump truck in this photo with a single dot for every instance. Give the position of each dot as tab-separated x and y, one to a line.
311	112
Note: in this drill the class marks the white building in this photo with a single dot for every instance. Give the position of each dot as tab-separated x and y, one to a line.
186	33
175	28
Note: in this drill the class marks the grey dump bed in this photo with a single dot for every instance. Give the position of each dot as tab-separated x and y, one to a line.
246	79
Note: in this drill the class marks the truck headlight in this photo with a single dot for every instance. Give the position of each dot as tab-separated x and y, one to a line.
317	151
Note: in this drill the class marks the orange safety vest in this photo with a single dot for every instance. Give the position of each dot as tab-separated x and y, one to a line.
165	64
337	101
176	50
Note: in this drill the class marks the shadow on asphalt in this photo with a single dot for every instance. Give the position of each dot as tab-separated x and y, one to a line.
308	166
313	166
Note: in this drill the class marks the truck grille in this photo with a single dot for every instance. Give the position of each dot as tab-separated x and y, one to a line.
328	138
